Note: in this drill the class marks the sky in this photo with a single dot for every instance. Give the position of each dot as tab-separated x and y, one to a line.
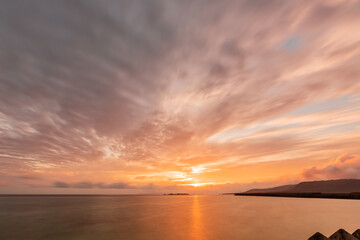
158	96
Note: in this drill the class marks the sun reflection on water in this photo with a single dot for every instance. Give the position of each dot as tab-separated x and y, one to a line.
197	220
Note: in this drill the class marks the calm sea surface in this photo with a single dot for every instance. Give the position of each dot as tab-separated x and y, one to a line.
173	217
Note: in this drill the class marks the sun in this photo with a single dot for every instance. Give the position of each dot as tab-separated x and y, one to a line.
198	184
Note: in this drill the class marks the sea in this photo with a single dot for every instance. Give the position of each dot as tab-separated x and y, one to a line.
202	217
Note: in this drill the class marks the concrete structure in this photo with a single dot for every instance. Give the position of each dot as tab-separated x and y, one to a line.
340	234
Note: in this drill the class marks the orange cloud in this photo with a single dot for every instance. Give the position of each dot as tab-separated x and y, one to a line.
344	166
206	93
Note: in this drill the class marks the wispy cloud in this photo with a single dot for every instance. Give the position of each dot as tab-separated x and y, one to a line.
121	89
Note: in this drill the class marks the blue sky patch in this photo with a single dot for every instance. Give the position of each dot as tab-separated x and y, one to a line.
292	44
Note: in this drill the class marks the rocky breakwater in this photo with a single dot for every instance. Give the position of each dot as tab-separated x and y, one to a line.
340	234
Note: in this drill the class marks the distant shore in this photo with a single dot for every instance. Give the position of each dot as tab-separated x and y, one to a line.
305	195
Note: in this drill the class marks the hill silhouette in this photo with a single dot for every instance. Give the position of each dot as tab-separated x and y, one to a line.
326	186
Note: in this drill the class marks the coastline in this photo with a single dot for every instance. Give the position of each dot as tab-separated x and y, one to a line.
354	196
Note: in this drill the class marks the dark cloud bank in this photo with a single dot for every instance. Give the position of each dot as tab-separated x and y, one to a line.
116	185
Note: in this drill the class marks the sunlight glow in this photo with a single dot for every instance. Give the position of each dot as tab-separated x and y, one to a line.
199	184
197	169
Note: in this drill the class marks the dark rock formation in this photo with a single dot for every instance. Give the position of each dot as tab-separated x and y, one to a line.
357	234
318	236
341	234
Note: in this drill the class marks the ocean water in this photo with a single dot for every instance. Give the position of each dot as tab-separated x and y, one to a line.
173	217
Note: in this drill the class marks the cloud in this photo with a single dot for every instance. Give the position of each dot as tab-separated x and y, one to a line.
345	166
87	184
81	185
138	87
29	177
3	183
116	185
58	184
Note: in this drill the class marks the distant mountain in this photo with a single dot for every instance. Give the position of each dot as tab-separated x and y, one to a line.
271	190
328	186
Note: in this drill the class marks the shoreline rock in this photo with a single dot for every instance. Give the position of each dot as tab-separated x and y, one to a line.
340	234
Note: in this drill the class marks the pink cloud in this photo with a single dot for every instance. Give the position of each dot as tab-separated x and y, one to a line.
3	183
344	166
262	75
